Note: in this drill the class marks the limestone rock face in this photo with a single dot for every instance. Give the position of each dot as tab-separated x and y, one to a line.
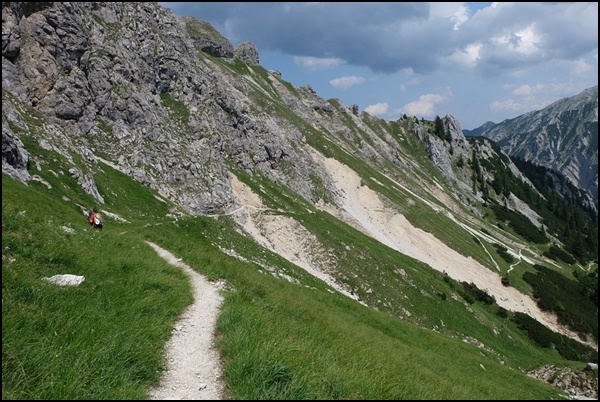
206	38
247	52
166	100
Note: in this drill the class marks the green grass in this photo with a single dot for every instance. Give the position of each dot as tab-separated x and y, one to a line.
335	349
104	339
101	340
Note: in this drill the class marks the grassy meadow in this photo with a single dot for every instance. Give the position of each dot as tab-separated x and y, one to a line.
279	340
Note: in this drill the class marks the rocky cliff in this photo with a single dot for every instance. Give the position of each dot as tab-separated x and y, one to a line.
169	101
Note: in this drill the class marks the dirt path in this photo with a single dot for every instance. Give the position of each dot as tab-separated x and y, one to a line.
194	369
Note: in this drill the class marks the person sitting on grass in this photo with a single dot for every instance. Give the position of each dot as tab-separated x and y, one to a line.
95	219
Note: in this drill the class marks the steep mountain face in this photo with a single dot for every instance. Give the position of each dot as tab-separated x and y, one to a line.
562	137
136	85
170	102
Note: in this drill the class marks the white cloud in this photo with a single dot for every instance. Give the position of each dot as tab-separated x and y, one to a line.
468	56
346	82
527	90
377	109
524	42
505	105
424	106
316	63
456	12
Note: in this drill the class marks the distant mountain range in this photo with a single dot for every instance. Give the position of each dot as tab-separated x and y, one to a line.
479	130
562	137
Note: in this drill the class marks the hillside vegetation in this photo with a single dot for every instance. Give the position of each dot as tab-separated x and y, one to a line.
283	333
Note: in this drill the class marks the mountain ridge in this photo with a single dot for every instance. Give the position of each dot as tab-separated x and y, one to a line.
562	137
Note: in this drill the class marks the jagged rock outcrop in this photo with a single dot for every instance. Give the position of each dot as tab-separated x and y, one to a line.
451	153
247	52
578	384
15	158
206	38
151	103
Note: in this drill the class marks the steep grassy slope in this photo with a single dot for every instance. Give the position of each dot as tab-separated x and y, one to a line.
281	338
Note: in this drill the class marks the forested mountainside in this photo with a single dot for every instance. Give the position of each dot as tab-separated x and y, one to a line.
316	216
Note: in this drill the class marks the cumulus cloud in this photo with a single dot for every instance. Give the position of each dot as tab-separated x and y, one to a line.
377	109
316	63
390	37
456	12
424	106
346	82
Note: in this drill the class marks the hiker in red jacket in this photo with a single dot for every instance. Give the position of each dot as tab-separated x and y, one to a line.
95	219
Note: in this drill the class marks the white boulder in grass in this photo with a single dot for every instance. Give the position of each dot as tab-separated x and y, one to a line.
66	280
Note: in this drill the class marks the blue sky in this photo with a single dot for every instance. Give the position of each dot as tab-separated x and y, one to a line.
476	61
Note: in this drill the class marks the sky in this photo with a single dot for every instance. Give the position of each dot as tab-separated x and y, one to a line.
478	62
